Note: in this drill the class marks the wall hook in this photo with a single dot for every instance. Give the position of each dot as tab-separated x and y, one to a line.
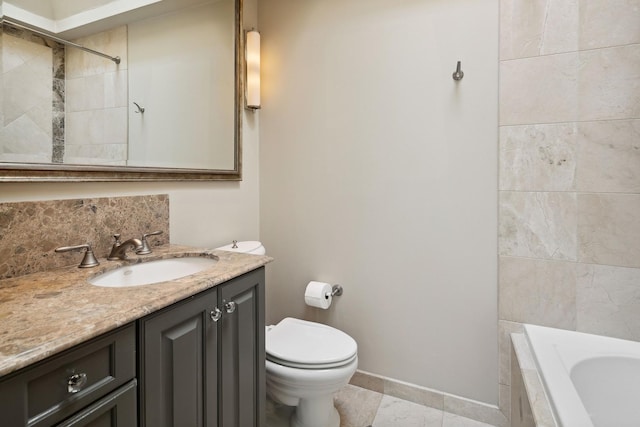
139	109
458	74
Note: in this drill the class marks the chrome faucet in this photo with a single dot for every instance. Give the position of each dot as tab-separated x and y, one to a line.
119	250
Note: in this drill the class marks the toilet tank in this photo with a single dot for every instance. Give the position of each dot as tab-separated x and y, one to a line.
248	247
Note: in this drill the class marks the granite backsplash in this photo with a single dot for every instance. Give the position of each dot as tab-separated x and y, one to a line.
30	231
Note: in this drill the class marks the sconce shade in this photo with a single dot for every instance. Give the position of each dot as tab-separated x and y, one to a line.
252	56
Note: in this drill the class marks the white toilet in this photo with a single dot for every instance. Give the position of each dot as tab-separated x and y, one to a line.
306	364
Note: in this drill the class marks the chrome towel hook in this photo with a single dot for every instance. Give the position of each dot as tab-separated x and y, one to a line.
458	74
139	109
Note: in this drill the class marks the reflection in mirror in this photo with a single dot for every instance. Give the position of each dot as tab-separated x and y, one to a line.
171	102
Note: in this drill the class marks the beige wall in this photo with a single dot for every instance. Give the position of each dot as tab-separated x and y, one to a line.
569	238
379	172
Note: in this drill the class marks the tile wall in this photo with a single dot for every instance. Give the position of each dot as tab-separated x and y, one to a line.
30	231
29	65
96	115
569	209
71	106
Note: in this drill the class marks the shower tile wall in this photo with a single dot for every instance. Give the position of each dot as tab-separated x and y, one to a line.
71	106
569	235
96	116
26	114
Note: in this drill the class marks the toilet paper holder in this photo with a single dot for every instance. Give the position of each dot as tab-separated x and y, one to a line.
336	291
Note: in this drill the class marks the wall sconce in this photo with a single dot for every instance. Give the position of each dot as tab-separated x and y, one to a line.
252	59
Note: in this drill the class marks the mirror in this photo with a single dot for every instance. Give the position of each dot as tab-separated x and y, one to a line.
169	110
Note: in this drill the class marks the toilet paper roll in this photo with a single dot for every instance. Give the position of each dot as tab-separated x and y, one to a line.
318	294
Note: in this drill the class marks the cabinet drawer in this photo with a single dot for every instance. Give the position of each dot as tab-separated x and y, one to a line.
118	409
48	392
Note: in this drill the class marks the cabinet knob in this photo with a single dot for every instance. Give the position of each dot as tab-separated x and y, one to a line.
76	382
215	314
230	307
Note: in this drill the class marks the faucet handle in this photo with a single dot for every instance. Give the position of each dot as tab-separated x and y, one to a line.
117	242
89	259
146	249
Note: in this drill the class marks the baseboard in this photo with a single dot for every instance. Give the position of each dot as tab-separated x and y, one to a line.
468	408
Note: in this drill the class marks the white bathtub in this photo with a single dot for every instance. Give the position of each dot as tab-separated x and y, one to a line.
590	380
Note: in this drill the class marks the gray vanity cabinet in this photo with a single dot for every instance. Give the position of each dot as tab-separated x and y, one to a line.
242	354
197	363
92	384
202	359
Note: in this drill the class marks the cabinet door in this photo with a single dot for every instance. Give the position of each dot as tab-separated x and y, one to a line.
179	365
242	351
118	409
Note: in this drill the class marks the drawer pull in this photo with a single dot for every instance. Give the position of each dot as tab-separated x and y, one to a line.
76	382
215	314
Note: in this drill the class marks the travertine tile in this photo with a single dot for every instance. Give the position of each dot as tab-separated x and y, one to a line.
531	408
115	126
474	410
605	23
505	329
521	347
75	99
538	399
99	154
609	83
608	156
504	399
537	225
413	393
93	92
277	414
85	127
26	140
609	229
537	291
368	381
532	28
452	420
28	86
395	412
112	42
608	301
539	90
538	157
357	406
116	89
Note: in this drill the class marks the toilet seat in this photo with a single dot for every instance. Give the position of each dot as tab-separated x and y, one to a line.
308	345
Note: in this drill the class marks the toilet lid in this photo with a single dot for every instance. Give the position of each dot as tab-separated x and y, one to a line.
299	343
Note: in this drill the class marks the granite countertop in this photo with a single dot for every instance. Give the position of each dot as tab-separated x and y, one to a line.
44	313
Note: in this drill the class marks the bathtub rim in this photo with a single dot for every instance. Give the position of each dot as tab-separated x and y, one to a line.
561	394
556	352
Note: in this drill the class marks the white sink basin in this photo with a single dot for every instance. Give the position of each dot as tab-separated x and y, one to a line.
150	272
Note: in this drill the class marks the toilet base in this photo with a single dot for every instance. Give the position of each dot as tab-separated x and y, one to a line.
316	412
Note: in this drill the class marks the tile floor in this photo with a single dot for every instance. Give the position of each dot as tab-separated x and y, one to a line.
359	407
